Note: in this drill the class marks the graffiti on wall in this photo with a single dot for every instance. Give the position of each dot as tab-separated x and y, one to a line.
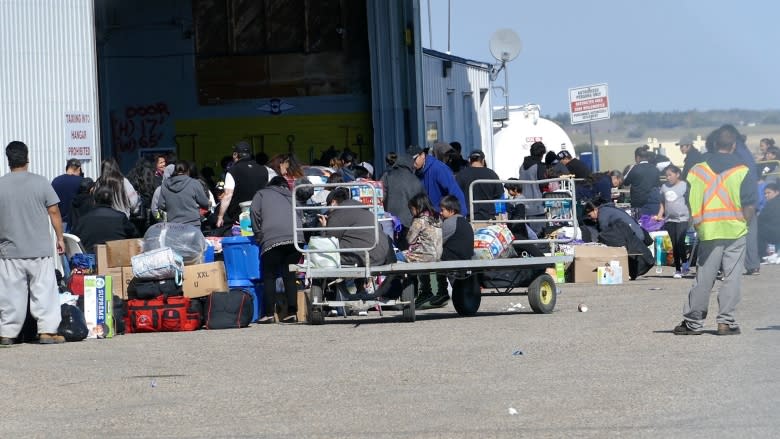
139	127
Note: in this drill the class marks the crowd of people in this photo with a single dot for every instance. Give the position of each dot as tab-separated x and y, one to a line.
427	190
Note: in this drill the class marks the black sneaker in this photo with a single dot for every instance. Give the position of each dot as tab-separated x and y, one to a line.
438	301
726	329
422	299
683	329
751	272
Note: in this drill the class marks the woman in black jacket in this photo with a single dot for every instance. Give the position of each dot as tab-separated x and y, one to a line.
103	223
272	224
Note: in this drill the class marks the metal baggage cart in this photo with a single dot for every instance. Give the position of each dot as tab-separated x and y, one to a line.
466	288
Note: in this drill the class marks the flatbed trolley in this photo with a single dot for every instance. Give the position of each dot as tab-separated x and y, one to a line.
466	287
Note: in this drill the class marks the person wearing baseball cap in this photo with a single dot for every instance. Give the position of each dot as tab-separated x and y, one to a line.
574	165
436	177
692	155
243	179
67	187
478	170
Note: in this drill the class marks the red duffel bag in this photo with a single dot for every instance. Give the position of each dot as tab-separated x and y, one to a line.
163	314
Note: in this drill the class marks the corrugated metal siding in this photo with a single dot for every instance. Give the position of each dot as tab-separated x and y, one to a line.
47	68
450	93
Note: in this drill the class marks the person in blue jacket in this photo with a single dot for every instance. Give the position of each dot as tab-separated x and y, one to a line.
436	177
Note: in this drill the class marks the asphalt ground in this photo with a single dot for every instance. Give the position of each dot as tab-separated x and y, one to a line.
615	370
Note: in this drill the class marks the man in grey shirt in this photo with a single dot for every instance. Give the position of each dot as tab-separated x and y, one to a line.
26	253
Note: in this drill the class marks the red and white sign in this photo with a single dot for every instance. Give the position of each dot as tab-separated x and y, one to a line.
79	135
589	103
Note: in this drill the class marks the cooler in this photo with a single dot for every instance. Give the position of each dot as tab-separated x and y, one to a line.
242	258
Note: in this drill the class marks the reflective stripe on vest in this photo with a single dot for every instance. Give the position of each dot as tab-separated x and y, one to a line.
715	190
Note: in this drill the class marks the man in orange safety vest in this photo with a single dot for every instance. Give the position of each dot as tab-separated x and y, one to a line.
722	198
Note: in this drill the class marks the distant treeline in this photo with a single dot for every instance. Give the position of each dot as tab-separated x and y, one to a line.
680	119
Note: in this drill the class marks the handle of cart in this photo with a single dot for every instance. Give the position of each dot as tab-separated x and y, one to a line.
564	199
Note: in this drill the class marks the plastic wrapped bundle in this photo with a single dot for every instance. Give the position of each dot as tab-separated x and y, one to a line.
185	240
493	242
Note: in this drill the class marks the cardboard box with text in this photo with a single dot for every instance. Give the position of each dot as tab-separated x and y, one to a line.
203	279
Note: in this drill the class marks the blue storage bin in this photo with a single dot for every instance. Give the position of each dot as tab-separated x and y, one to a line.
242	258
255	288
208	254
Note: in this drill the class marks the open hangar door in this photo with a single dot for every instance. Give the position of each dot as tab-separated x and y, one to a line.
196	76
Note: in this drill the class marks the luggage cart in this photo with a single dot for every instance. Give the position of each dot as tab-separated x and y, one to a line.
466	275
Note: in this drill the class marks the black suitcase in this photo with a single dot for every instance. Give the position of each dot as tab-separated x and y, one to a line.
149	289
225	310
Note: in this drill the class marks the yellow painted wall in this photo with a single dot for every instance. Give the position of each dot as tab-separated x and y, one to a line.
207	140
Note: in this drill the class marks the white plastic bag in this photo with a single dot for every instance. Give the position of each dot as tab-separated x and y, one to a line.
159	264
323	257
186	241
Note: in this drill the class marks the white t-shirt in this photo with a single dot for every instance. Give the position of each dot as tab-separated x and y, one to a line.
230	183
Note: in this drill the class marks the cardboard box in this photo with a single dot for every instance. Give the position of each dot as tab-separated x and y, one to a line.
119	252
101	258
116	281
203	279
121	276
98	306
127	276
303	307
587	259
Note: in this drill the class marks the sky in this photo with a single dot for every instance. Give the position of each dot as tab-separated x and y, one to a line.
659	55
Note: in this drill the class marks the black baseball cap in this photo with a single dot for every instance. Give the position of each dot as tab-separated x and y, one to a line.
73	163
564	155
242	148
476	155
414	150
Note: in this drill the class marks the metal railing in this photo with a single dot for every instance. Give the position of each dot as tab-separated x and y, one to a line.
375	206
568	196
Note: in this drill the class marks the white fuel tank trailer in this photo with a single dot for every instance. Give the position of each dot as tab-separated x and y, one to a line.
514	135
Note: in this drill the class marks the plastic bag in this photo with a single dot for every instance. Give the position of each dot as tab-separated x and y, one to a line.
493	242
159	264
648	223
73	325
323	257
184	240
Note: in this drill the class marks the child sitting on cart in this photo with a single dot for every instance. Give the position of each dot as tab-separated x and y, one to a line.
457	245
425	245
457	235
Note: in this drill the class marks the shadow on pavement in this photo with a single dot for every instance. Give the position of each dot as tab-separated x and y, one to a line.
769	328
421	315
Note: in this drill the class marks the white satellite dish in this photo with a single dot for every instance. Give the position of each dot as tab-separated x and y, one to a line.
505	45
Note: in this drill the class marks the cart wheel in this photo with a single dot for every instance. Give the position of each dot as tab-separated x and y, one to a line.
407	295
314	314
467	295
542	294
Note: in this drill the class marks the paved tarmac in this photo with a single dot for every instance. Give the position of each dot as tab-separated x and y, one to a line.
615	370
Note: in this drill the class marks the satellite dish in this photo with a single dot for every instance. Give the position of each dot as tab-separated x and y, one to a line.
505	45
